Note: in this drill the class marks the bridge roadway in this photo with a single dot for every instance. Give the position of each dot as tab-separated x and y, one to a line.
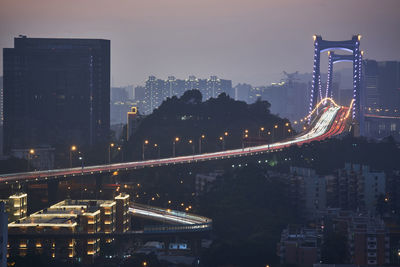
331	122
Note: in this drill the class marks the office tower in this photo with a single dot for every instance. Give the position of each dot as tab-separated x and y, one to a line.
56	92
382	84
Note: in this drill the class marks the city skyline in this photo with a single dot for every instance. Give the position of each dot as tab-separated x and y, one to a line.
246	42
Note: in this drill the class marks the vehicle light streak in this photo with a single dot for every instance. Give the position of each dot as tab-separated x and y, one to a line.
331	117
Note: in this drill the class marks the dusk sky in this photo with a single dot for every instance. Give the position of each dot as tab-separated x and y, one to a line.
249	41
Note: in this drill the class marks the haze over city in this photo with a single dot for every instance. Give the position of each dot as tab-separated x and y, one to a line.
182	133
245	41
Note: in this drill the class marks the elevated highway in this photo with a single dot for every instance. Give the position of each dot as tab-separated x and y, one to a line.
332	120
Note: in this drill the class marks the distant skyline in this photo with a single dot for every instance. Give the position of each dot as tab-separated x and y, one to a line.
245	41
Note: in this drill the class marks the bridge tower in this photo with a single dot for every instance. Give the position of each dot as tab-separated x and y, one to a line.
352	46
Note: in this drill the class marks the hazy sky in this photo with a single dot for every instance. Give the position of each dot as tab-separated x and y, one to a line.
249	41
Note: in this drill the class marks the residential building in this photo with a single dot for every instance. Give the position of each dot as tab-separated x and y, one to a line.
154	94
308	191
215	87
368	240
300	246
360	188
122	215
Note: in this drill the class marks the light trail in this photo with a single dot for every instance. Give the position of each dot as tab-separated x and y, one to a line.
381	117
321	129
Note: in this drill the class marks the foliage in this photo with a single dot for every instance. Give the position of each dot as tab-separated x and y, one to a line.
248	213
188	118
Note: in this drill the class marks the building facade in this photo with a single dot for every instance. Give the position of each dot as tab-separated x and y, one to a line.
56	92
157	90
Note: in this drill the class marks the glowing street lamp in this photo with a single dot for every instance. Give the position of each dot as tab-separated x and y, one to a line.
222	139
201	141
191	142
262	129
109	152
156	146
146	142
72	149
31	152
176	139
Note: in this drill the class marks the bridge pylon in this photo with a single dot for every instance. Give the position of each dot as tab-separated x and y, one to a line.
352	46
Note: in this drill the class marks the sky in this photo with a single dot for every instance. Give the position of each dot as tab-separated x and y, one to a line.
251	41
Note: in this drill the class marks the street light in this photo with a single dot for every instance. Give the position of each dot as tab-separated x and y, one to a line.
109	152
222	139
73	148
200	142
31	152
176	139
245	136
191	142
158	149
81	159
121	152
260	130
273	132
146	142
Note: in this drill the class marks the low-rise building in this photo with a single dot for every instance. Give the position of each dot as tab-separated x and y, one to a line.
70	217
300	246
16	206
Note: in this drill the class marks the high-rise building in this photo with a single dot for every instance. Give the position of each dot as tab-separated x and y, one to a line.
154	94
56	92
216	86
242	92
157	90
119	94
174	87
360	188
308	191
1	101
139	92
382	84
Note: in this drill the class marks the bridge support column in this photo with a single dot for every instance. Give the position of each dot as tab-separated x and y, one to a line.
99	184
52	191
